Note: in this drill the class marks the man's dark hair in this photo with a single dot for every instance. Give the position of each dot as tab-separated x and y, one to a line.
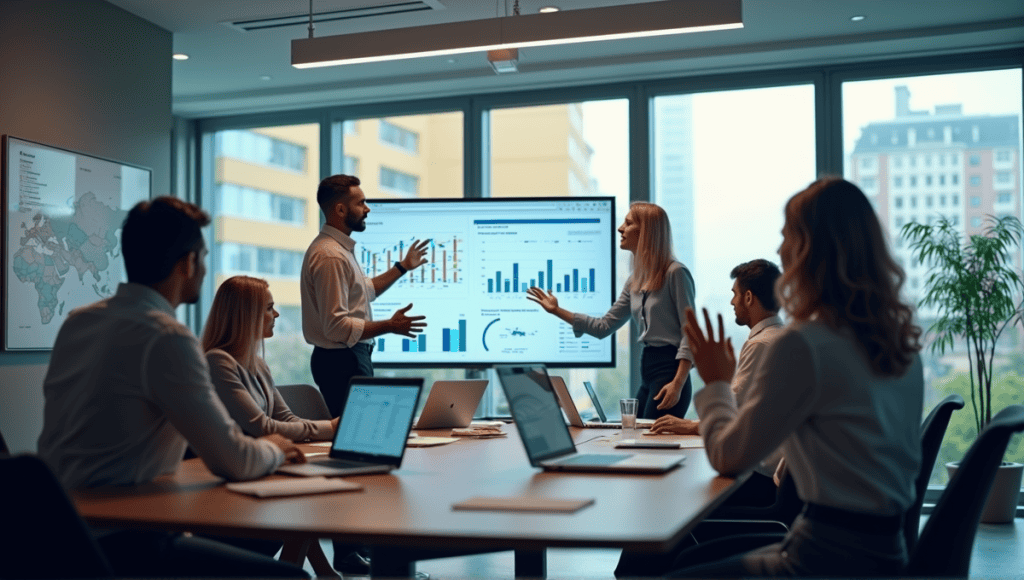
158	233
332	189
759	276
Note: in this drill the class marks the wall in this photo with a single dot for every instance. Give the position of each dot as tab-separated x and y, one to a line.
87	76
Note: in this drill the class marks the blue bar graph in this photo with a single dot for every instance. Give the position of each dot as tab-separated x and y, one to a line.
446	339
497	281
551	277
593	280
490	286
515	277
571	282
405	345
575	280
380	344
507	289
462	336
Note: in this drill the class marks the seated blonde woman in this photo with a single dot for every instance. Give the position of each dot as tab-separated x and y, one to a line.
243	316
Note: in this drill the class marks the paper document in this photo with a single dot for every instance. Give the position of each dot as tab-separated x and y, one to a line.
430	441
524	504
297	486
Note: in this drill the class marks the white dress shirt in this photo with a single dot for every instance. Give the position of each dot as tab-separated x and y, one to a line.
335	293
127	387
851	438
761	336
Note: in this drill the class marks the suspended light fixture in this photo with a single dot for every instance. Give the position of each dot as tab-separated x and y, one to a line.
644	19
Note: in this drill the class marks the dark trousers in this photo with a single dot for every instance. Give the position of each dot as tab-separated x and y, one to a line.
658	366
333	368
140	554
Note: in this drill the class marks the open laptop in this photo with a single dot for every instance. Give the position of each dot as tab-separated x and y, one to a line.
451	404
532	400
600	411
374	427
569	406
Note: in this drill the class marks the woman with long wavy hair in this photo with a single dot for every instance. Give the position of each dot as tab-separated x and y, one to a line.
840	390
241	317
657	293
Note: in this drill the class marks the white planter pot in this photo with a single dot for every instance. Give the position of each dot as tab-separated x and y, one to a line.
1001	506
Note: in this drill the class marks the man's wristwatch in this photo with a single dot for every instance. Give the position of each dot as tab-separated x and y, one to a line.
401	268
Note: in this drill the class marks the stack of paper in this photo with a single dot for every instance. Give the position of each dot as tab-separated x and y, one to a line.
292	486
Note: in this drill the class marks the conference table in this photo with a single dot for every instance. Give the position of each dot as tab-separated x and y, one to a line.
407	515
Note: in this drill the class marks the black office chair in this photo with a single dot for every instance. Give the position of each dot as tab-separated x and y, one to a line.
305	401
43	536
944	548
788	506
932	431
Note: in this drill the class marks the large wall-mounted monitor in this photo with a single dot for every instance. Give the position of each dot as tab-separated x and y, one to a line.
62	246
483	255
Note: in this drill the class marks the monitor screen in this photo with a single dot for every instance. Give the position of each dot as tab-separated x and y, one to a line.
482	256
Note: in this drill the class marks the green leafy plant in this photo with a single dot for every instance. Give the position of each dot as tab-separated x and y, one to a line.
976	291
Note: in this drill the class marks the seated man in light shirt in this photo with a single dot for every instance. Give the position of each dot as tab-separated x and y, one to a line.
128	388
755	306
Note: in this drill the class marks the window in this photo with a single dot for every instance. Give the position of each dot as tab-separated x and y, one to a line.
928	201
897	181
1004	198
867	162
928	180
255	204
403	183
913	160
898	201
928	158
869	183
351	165
989	99
1003	178
259	261
1004	156
913	201
261	149
399	137
913	181
897	161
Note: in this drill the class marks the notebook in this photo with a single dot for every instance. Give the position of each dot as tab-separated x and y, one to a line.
532	401
600	410
373	430
451	404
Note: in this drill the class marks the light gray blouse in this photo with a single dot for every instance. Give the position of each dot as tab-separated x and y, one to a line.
660	318
255	404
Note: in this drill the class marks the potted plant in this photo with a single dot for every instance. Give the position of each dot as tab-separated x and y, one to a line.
976	290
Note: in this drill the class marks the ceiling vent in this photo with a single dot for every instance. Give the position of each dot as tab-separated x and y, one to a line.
302	19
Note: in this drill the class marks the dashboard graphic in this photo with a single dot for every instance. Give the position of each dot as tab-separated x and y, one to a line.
482	257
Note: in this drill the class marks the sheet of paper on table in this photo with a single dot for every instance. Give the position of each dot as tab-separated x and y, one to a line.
524	504
297	486
430	441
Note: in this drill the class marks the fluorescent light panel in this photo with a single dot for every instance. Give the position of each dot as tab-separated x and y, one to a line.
659	18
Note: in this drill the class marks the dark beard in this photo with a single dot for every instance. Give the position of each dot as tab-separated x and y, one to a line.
355	225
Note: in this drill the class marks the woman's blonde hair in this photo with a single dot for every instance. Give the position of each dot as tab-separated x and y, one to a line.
654	247
235	323
841	272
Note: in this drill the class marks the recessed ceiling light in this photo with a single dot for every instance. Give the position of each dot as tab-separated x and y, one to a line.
180	56
548	9
266	77
857	18
452	60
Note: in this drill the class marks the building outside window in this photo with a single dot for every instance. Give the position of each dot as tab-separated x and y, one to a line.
261	149
255	204
975	160
398	182
399	137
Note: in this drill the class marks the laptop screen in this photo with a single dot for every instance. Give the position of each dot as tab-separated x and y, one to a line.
376	419
595	401
538	417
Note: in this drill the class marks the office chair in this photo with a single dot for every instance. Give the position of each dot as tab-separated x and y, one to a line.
43	536
788	505
4	451
305	401
944	547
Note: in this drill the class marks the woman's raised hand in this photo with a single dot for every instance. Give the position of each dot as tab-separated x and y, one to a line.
546	300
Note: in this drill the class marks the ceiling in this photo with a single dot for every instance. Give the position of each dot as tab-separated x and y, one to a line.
230	71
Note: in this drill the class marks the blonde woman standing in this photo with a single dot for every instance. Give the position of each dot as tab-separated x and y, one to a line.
241	317
656	295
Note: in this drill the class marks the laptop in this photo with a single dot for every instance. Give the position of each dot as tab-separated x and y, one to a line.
569	406
451	404
373	430
532	401
600	410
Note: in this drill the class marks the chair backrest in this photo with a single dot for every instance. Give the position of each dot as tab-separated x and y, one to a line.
42	535
305	401
944	548
932	431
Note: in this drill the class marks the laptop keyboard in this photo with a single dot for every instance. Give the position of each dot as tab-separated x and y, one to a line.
595	459
331	462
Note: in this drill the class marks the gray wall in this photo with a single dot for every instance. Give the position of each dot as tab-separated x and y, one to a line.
88	76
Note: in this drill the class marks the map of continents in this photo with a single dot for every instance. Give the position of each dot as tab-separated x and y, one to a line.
52	245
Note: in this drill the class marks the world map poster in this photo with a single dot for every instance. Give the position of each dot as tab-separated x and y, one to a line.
63	228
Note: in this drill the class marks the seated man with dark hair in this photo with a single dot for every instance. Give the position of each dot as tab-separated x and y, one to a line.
128	388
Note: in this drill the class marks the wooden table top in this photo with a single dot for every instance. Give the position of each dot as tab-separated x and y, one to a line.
412	506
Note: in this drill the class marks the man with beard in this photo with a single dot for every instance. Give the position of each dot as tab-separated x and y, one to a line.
336	295
128	388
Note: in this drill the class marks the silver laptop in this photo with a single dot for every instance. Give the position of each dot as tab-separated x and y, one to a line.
569	406
531	398
373	430
451	404
592	393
